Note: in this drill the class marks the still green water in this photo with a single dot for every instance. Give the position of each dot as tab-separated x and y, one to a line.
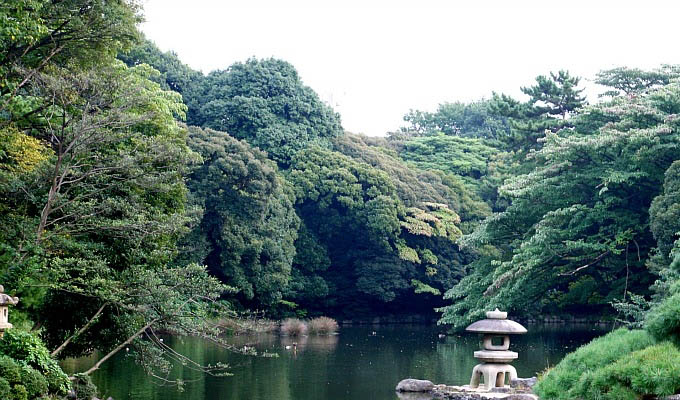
362	362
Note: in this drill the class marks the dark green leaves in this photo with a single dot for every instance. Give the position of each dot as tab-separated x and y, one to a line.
579	219
248	222
265	103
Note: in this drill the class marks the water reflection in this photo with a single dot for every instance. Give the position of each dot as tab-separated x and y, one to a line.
414	396
360	362
326	343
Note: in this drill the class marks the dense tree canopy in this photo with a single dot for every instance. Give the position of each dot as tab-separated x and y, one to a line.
577	229
234	237
414	185
664	222
249	224
376	246
174	75
265	103
474	160
631	81
37	34
474	120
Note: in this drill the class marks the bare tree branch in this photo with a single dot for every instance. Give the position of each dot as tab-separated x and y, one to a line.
79	332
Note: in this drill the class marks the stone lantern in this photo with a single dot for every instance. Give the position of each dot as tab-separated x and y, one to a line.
495	357
5	302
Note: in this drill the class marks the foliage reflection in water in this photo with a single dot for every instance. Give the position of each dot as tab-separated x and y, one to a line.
362	362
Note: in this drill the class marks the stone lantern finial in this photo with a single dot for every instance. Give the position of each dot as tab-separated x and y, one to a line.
5	302
496	358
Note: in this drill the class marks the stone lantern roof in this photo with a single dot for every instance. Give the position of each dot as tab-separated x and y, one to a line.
6	300
496	322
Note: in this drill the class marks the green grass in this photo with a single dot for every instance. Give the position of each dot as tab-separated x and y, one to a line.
561	381
623	365
654	371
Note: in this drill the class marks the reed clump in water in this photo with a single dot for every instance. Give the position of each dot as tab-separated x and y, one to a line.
323	326
294	327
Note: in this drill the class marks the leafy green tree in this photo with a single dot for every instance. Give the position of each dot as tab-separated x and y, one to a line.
371	238
556	96
307	284
664	222
631	81
249	222
37	34
114	191
414	185
576	235
266	103
174	74
474	120
114	126
115	107
96	211
482	167
552	101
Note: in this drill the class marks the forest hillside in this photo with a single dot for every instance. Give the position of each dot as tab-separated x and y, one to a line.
139	195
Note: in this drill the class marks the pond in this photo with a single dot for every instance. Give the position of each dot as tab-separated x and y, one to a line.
362	362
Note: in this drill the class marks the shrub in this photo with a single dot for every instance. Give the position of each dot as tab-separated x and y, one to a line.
83	387
10	370
663	320
30	350
560	382
293	327
5	389
35	383
19	392
323	326
653	371
27	379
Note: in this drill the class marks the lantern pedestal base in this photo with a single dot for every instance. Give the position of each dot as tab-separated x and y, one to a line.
494	375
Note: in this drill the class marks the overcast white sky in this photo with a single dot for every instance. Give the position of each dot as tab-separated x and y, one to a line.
375	60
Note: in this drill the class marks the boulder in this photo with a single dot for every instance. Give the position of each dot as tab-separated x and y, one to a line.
414	385
523	383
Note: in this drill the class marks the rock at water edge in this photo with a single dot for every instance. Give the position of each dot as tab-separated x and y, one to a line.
414	385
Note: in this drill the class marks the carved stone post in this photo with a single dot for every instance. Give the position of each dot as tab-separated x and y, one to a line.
496	358
5	302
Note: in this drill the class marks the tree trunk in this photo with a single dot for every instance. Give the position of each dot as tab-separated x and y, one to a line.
54	188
